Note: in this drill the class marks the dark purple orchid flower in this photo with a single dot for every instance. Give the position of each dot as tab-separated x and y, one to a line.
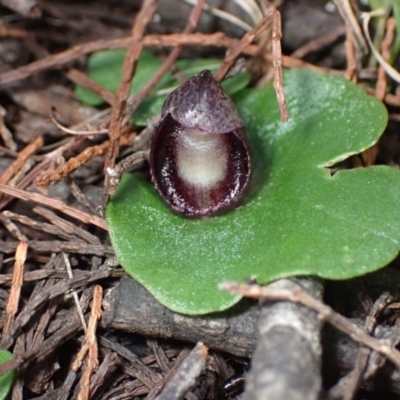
199	155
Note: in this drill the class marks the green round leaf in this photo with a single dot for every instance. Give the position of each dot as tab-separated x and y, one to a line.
298	220
6	380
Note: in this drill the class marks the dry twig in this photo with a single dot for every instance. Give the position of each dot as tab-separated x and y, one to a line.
18	278
135	100
186	374
128	70
90	346
381	82
82	79
233	52
23	155
325	312
56	60
55	203
63	170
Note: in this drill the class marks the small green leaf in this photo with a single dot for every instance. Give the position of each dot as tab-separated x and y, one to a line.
6	380
105	68
300	220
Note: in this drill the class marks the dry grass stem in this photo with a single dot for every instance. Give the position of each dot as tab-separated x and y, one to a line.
381	82
23	155
128	70
63	170
90	346
16	284
196	39
135	100
325	312
56	204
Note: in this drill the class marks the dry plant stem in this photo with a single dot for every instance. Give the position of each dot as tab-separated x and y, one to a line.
319	43
23	155
56	204
82	79
5	133
347	386
142	141
390	99
90	345
277	63
186	374
162	359
12	228
79	196
43	297
40	274
351	69
169	373
56	246
196	39
106	368
41	226
7	31
46	347
136	367
347	13
234	51
17	280
128	70
47	159
26	167
325	312
237	48
63	170
74	293
67	226
123	166
288	348
356	377
73	131
232	332
381	82
135	100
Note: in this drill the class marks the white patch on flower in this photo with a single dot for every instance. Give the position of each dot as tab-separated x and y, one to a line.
201	158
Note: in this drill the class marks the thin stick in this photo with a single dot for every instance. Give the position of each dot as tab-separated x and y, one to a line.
5	133
56	60
63	170
325	312
17	280
52	115
319	43
20	160
128	70
351	68
74	292
277	63
233	52
82	79
90	346
347	13
381	82
56	204
135	100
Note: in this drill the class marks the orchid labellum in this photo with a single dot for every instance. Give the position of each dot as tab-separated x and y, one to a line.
199	156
